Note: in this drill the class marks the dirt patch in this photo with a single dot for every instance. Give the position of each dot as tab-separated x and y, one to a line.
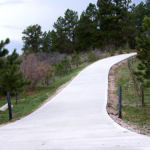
113	98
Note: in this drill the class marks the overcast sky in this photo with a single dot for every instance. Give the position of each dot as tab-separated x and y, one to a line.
16	15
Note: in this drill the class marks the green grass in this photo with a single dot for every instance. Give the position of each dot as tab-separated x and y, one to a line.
29	102
131	108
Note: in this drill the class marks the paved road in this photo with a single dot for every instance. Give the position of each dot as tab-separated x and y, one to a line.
76	119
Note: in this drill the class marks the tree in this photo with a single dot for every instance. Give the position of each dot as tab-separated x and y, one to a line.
3	53
32	39
59	69
140	13
66	63
61	41
87	28
127	23
65	26
75	59
54	41
143	53
147	7
106	15
71	20
46	42
10	78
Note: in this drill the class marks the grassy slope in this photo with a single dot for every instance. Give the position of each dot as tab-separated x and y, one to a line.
34	100
132	111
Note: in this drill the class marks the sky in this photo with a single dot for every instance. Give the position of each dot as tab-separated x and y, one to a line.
17	15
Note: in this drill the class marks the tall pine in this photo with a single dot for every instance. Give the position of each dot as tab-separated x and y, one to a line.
143	53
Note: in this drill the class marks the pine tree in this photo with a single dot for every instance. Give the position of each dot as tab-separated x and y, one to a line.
147	7
61	41
140	13
32	39
11	79
71	20
87	28
106	15
65	32
143	53
3	53
66	63
75	59
46	42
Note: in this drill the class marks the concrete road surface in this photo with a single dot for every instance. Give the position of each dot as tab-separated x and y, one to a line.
76	119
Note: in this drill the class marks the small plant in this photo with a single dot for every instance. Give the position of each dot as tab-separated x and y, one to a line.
128	50
120	51
66	63
91	57
59	69
75	59
112	52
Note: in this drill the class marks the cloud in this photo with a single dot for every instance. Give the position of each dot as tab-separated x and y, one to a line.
12	2
11	27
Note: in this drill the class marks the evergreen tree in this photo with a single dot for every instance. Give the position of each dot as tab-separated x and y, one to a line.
143	53
87	28
59	69
61	40
82	33
46	42
66	63
139	14
106	16
32	39
3	53
65	31
118	7
71	20
126	20
75	59
147	7
11	79
54	40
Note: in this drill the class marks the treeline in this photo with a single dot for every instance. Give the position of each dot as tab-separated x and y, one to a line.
108	24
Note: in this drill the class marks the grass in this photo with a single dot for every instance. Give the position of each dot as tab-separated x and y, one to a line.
132	112
31	101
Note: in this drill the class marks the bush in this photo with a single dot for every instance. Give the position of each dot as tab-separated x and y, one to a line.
112	52
59	69
75	59
66	63
92	57
128	50
120	51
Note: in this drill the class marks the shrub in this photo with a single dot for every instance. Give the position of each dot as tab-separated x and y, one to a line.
92	57
59	69
66	63
75	59
128	50
120	51
112	52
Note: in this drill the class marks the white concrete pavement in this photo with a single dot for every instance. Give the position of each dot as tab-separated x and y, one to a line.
76	119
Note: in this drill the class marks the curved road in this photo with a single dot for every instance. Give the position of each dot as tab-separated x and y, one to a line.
76	119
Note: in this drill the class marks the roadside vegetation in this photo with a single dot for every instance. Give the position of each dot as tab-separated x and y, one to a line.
132	112
31	100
